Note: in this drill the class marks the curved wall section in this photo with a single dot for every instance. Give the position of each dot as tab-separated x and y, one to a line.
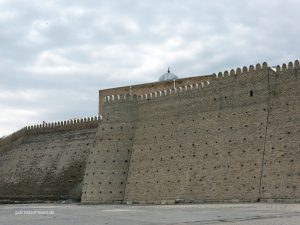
108	163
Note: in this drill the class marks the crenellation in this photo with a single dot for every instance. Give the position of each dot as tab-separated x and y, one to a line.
283	67
258	66
297	64
290	66
251	68
160	93
265	65
64	124
278	68
232	72
245	69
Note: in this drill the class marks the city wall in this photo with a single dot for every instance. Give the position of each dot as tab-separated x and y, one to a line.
231	136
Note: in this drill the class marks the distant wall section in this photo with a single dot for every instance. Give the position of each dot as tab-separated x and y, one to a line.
46	162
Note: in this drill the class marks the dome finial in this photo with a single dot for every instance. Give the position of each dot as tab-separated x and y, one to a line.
168	76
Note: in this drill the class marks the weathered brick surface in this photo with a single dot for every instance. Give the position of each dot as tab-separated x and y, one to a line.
46	163
236	139
204	144
107	165
281	172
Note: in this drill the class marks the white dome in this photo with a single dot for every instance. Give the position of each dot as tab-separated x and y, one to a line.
168	76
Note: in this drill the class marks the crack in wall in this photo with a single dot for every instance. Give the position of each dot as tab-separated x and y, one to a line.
266	133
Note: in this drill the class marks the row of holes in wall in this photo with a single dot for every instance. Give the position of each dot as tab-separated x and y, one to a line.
24	169
155	191
193	146
178	121
29	155
7	157
193	120
22	148
162	159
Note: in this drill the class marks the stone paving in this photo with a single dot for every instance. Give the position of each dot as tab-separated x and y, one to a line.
235	214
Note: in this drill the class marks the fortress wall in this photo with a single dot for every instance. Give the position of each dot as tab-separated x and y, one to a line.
281	174
203	145
233	138
107	166
46	162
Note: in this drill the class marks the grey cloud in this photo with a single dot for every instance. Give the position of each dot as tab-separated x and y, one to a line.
67	50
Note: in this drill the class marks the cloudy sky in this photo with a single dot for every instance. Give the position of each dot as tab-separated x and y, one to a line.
56	55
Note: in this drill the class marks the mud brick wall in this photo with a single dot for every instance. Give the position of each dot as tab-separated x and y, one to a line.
204	144
281	172
108	163
46	163
232	136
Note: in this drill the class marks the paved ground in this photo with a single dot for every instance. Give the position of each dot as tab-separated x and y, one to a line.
65	214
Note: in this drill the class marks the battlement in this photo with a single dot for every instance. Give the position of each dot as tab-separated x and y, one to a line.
190	87
71	124
208	80
64	123
239	70
289	66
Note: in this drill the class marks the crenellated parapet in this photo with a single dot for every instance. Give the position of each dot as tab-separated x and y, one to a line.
157	94
241	70
66	124
180	89
87	122
289	66
112	98
174	91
